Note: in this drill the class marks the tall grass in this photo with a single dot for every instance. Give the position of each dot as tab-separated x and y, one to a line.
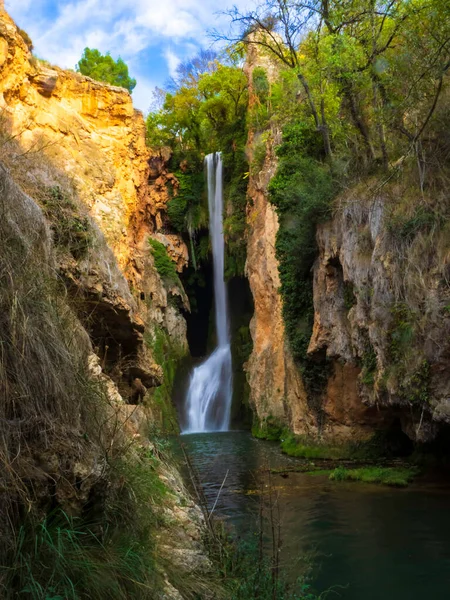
78	505
107	552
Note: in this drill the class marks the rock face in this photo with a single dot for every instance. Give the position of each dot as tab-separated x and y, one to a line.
87	128
91	133
381	312
276	389
380	316
79	292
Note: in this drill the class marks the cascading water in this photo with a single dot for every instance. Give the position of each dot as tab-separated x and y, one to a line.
208	402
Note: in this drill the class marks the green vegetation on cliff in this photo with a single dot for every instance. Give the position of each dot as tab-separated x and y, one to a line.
163	263
103	67
360	95
204	112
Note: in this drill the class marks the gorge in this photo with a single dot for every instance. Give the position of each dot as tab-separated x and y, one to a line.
261	263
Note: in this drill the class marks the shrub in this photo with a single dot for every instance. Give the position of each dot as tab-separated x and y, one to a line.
185	210
72	230
163	263
26	38
268	429
168	355
301	191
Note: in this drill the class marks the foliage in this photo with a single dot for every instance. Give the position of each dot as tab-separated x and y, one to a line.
57	419
106	555
392	476
254	578
206	112
26	38
72	230
369	365
259	111
103	67
349	295
168	354
268	429
423	219
301	190
186	209
303	447
163	263
368	76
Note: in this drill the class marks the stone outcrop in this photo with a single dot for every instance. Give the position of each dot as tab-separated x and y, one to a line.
92	135
276	388
381	312
380	316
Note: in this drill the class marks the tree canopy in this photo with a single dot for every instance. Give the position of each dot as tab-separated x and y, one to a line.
103	67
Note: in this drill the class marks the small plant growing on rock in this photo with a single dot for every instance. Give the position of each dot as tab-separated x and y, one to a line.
72	230
163	263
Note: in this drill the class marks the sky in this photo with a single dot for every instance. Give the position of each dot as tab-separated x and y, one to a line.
152	36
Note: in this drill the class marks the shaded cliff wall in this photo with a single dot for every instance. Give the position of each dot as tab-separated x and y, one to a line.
381	290
381	294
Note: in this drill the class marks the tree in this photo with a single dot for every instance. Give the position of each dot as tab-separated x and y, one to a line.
103	67
279	26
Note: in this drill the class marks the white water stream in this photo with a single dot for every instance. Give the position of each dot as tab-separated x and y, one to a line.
208	402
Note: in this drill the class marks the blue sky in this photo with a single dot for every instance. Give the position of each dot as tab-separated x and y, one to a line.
152	36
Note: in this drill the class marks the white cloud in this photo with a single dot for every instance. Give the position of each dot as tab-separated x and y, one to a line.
172	61
175	29
143	94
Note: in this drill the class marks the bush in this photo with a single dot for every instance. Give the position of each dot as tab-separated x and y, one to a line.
301	191
163	263
268	429
168	354
72	230
26	38
185	210
100	555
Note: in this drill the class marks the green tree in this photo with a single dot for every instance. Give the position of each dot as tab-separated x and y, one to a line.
103	67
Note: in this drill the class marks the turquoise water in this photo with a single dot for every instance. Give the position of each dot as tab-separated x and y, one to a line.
367	542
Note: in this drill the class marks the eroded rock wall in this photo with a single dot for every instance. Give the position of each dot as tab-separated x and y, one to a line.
276	388
91	133
380	314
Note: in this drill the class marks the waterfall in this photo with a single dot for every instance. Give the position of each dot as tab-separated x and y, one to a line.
208	402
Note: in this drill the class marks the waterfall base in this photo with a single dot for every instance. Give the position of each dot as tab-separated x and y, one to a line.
209	392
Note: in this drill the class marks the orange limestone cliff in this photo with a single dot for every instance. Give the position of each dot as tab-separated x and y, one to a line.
276	388
91	131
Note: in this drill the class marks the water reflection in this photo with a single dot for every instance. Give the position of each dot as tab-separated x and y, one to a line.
380	543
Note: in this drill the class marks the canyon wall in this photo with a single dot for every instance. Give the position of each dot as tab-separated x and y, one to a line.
276	388
381	297
381	316
82	304
64	131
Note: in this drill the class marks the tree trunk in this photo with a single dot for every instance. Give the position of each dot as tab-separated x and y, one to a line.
321	124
